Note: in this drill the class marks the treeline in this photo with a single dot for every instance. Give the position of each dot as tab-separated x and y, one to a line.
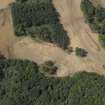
95	16
21	83
40	20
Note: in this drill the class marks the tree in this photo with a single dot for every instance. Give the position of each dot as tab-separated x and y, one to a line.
81	52
24	84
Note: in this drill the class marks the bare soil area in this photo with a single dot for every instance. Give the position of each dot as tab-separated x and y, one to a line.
5	3
7	37
80	36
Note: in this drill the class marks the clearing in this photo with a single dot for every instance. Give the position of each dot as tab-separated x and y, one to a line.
80	36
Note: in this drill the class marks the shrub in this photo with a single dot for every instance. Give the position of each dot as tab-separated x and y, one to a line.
81	52
69	50
48	67
102	40
2	56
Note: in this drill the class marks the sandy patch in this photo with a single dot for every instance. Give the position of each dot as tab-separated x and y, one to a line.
7	37
5	3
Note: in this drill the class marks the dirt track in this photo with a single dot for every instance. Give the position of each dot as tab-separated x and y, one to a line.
80	35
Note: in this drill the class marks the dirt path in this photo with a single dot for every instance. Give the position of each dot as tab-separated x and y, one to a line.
80	35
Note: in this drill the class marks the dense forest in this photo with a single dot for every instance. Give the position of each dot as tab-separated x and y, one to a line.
95	16
39	20
21	83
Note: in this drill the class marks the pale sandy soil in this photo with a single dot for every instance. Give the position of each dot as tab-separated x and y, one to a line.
5	3
80	35
7	37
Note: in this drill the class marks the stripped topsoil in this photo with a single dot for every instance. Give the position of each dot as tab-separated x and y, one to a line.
80	36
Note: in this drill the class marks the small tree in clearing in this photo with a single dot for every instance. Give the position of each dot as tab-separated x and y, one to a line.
81	52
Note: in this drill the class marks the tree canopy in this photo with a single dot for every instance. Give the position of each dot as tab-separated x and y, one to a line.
21	83
81	52
40	20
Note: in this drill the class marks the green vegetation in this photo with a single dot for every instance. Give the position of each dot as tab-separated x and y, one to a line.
21	83
81	52
95	16
48	67
102	40
39	20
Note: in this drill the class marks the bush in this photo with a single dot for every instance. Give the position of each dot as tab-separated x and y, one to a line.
81	52
39	19
102	40
48	67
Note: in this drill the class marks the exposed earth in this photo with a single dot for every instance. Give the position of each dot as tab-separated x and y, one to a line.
80	36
